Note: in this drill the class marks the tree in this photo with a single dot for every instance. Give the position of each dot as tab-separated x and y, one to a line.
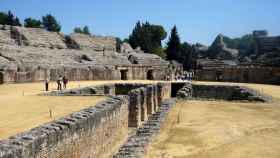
173	50
33	23
50	23
186	57
160	52
147	36
84	30
78	30
3	18
9	19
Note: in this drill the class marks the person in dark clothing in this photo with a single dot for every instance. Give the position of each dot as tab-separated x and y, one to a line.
65	81
47	84
59	83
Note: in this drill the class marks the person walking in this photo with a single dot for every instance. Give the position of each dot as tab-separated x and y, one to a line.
65	82
47	84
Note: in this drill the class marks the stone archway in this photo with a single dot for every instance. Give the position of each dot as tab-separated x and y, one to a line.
219	76
150	75
245	76
124	74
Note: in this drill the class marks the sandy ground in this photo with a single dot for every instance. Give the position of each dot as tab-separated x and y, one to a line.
22	109
219	129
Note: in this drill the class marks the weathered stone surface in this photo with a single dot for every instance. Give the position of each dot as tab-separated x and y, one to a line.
97	43
244	74
137	145
220	50
37	37
76	135
34	54
227	93
126	48
185	92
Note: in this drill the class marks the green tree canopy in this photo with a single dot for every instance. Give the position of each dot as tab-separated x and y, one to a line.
147	36
187	55
173	49
50	23
9	19
33	23
78	30
84	30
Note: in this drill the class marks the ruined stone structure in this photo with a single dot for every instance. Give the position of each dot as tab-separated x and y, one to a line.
245	74
102	130
34	54
97	131
264	43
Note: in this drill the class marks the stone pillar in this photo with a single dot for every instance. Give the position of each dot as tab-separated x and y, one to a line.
134	116
155	98
150	100
143	97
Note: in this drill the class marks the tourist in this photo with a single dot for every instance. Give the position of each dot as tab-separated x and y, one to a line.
59	83
47	84
65	81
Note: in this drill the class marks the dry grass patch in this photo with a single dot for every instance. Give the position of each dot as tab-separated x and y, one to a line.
220	129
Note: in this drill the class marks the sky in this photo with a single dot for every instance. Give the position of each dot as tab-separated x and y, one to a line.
197	20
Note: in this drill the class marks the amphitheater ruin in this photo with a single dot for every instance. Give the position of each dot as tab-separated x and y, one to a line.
119	105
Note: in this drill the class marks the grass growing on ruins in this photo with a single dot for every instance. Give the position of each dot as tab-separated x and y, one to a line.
220	129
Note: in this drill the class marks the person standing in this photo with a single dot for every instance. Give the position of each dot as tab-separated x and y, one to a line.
47	84
65	81
59	83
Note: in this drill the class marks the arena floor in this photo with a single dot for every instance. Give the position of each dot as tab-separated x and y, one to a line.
22	109
220	129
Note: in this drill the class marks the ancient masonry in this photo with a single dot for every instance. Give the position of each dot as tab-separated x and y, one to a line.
34	54
103	130
225	67
92	132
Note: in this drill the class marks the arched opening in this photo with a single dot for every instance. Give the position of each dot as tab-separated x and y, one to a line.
1	78
245	76
219	76
150	75
124	74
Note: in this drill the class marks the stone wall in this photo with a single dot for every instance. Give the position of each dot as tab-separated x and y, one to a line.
224	92
268	75
145	100
93	132
78	74
137	145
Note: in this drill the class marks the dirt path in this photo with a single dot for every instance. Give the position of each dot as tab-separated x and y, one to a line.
219	129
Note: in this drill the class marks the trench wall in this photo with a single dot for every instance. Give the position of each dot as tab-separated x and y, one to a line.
223	92
92	132
98	131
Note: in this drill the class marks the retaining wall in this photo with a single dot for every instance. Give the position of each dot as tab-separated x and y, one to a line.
145	101
226	93
92	132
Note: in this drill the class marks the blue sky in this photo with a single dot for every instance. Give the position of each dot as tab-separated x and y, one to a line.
197	20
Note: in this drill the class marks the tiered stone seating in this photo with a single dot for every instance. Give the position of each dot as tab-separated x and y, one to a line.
40	38
5	35
97	43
